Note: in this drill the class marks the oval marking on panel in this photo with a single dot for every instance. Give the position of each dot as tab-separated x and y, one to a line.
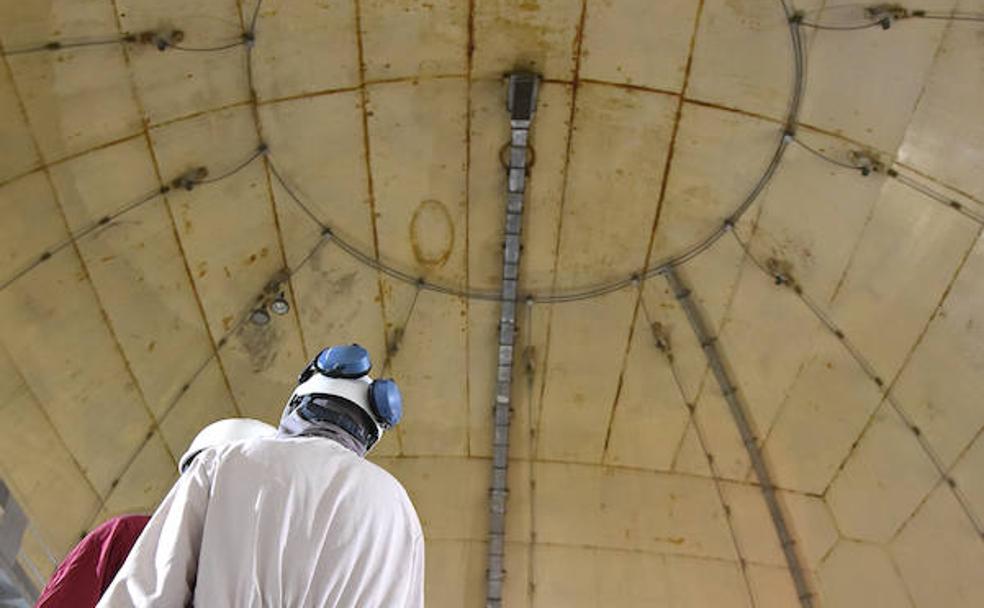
431	233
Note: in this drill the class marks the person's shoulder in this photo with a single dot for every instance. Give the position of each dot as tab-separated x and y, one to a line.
382	481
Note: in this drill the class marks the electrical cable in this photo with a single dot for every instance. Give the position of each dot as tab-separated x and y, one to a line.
884	390
887	18
107	220
583	293
974	17
207	49
162	42
842	28
936	196
904	180
56	45
260	151
823	156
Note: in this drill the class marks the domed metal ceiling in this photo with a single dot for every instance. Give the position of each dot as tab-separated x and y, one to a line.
809	170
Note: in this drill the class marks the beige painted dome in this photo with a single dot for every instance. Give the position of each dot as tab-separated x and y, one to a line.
162	178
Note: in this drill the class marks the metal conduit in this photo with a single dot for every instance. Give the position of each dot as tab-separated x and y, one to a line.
708	344
521	103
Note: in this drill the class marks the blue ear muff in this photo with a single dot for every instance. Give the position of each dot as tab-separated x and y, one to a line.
386	402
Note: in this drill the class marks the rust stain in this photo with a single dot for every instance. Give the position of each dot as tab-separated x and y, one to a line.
151	346
652	236
739	111
431	220
576	53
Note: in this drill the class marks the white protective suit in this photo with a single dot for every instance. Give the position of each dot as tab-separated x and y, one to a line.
273	522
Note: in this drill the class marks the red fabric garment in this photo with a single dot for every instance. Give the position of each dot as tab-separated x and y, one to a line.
90	567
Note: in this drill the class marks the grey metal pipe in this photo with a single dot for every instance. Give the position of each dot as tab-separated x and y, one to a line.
521	103
708	344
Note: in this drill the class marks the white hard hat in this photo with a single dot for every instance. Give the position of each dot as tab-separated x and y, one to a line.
355	390
222	432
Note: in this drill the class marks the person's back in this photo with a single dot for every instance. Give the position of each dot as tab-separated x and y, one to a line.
334	529
299	519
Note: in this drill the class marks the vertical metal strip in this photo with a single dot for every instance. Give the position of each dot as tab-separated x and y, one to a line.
15	584
708	344
521	103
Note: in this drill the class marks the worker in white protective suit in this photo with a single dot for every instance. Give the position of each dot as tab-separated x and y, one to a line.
295	520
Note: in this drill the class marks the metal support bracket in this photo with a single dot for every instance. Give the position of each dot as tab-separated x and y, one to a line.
521	103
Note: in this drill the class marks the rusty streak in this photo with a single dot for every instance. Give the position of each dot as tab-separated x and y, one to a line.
370	190
469	58
575	82
652	234
255	109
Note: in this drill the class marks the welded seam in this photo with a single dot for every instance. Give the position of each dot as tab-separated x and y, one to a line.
85	269
667	349
529	355
466	302
250	32
106	319
45	165
616	85
664	178
854	251
885	390
155	163
791	123
783	404
886	393
661	552
575	87
54	429
370	188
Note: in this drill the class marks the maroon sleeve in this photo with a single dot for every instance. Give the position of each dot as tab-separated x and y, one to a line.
90	567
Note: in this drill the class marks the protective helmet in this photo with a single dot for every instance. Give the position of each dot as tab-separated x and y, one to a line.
223	432
338	378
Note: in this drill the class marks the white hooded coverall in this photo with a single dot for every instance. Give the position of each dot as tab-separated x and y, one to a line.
277	521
